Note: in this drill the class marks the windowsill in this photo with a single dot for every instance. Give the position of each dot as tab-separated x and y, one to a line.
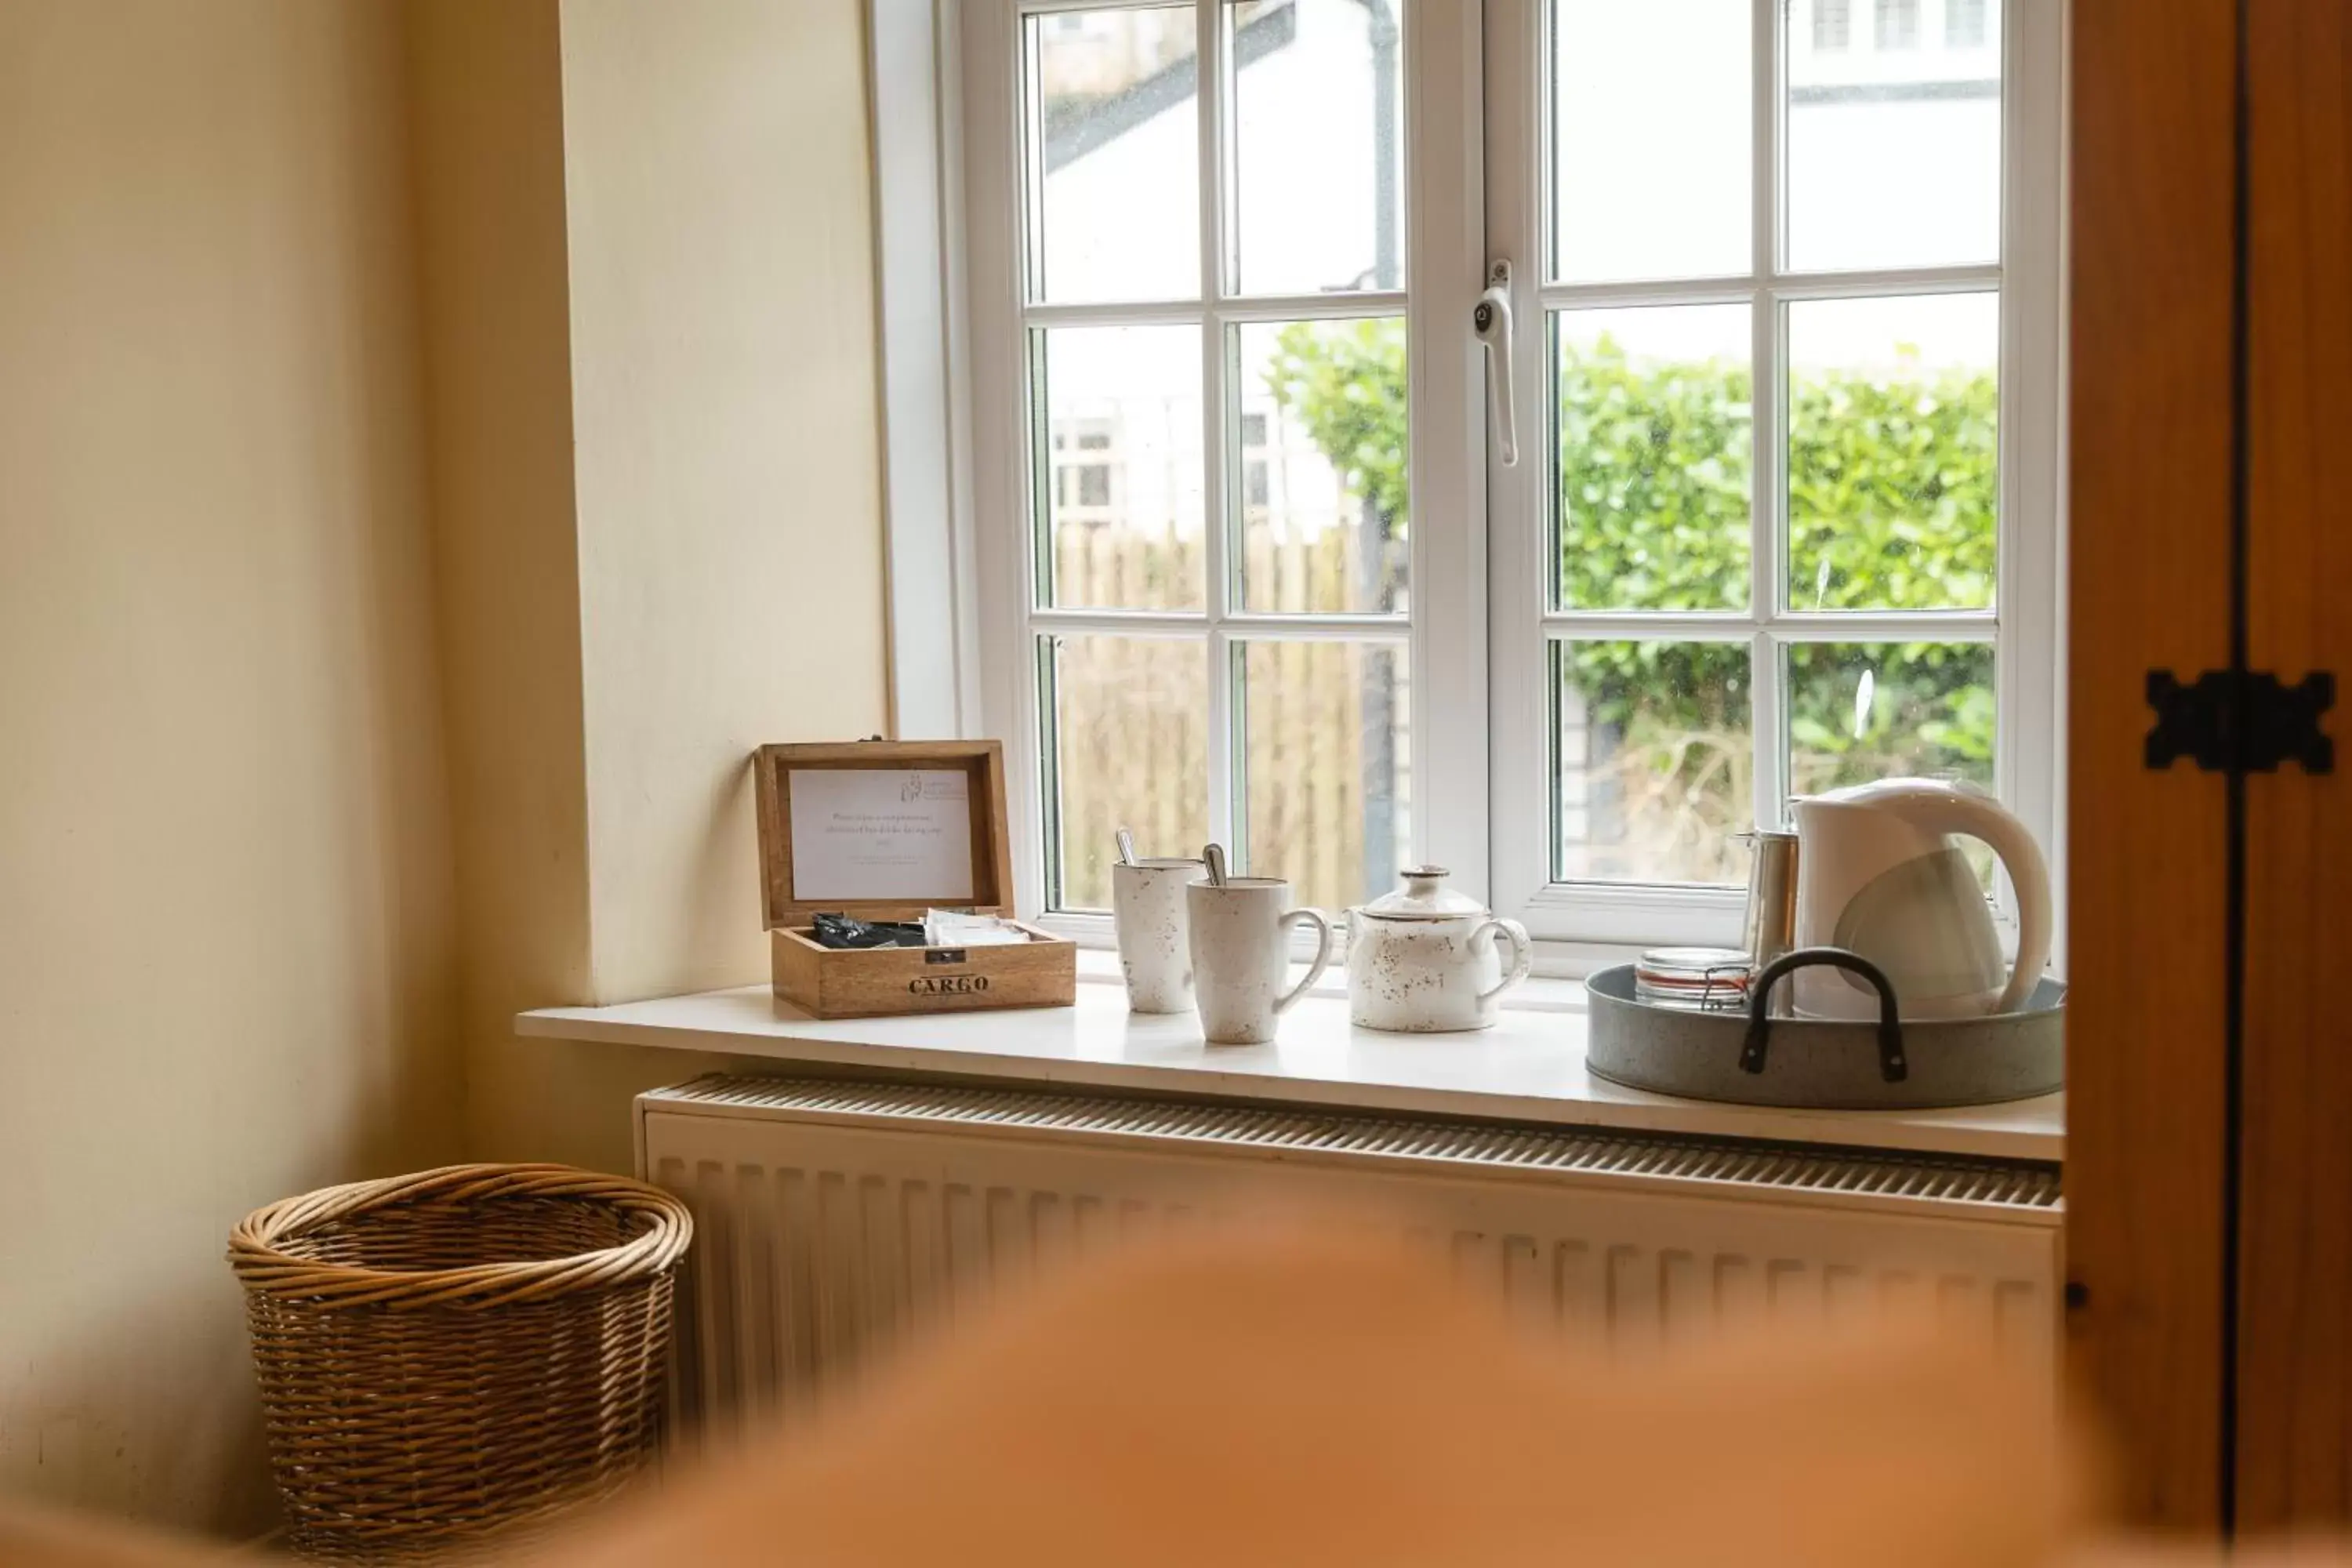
1528	1067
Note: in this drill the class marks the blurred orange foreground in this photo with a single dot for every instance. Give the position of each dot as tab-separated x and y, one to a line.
1276	1397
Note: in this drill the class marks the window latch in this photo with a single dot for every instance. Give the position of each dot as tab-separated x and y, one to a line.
1492	322
2240	722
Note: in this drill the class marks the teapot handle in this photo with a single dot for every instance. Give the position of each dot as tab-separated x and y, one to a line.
1941	810
1522	955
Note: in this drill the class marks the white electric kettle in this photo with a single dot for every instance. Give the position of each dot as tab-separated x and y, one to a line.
1878	875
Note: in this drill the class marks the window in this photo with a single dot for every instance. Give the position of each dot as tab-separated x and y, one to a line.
1257	475
1084	464
1784	385
1898	25
1219	617
1832	24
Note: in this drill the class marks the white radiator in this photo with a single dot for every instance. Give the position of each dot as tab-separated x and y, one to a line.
832	1217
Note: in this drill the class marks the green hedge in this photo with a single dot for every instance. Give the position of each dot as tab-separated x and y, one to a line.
1891	502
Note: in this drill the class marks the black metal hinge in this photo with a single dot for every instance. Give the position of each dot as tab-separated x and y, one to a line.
2249	721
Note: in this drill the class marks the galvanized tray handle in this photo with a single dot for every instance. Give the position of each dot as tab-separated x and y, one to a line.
1891	1067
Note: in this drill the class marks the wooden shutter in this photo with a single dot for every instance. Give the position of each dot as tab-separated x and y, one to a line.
2293	1427
2210	1115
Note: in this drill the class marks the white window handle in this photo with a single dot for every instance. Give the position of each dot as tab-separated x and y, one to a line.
1492	322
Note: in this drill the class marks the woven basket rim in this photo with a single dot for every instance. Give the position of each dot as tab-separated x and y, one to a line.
256	1247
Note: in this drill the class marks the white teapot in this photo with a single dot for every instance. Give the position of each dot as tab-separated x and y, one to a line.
1878	874
1424	959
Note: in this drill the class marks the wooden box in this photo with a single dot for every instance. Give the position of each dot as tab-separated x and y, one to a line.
888	829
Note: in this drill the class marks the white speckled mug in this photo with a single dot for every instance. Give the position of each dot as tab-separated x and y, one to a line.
1240	955
1155	950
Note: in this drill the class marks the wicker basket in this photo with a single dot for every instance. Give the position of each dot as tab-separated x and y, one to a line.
458	1352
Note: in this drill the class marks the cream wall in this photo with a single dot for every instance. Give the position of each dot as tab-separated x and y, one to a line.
225	910
437	442
488	128
650	327
729	474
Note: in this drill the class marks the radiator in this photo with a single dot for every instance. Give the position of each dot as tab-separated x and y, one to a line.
833	1219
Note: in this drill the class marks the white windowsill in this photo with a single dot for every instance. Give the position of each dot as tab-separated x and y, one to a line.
1528	1067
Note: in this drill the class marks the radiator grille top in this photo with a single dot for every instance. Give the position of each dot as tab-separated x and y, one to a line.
1717	1163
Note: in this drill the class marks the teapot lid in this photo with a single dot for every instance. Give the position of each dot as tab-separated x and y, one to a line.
1424	897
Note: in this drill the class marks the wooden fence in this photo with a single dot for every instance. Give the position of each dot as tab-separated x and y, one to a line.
1323	727
1323	730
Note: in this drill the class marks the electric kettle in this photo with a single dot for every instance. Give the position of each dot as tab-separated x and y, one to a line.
1878	874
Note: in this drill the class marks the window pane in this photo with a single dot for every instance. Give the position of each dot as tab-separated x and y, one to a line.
1891	479
1325	736
1318	160
1655	445
1654	760
1128	748
1652	175
1859	711
1321	452
1893	138
1113	155
1118	482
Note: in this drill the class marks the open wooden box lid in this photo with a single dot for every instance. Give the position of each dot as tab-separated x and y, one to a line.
882	830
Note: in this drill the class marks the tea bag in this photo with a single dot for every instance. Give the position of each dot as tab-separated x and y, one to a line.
948	928
839	930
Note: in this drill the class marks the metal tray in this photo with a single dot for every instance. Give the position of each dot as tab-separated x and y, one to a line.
1745	1058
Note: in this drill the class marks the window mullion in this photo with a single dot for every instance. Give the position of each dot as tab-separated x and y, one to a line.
1223	754
1768	677
1520	566
1768	386
1446	252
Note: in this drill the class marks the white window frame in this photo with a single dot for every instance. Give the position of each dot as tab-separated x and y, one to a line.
2023	625
947	130
1445	634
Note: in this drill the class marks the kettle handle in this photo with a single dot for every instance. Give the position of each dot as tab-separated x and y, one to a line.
1941	810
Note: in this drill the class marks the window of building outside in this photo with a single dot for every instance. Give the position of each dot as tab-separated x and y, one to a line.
1898	25
1765	464
1832	24
1964	24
